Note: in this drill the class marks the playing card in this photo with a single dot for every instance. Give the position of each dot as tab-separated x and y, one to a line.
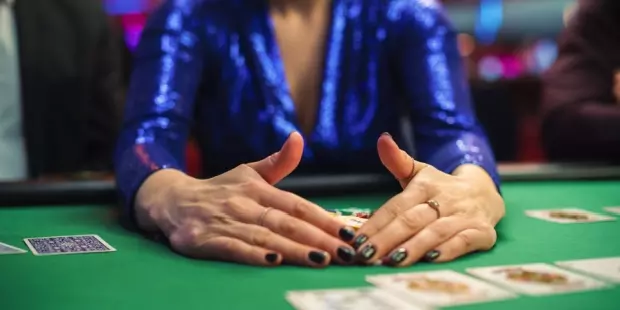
537	279
568	215
439	288
344	299
9	249
605	268
77	244
612	209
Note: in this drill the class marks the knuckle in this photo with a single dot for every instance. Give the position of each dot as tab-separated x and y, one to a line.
261	237
300	209
442	229
466	239
235	204
288	227
411	219
186	237
251	186
228	246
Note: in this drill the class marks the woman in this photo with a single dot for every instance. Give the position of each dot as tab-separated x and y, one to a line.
252	75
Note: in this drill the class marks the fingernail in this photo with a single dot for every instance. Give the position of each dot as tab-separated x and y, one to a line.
398	256
359	241
386	134
367	252
431	255
317	257
346	233
346	253
271	257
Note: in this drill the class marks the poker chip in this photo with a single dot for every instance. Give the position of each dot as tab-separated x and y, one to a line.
358	212
352	221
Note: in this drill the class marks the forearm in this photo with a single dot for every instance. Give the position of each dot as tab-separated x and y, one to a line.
136	162
461	154
476	174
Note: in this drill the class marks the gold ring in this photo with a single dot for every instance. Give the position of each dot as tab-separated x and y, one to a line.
261	218
435	205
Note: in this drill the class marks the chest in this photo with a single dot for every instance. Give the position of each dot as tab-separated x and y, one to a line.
301	42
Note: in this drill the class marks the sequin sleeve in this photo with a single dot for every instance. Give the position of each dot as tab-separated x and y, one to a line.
167	71
431	75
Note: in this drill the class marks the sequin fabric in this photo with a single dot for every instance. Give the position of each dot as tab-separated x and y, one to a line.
212	68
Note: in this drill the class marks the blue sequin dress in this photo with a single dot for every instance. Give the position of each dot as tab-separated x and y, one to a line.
212	68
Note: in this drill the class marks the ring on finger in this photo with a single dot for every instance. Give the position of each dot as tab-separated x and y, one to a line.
434	205
261	218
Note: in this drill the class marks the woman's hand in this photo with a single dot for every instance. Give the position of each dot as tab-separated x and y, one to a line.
408	228
239	216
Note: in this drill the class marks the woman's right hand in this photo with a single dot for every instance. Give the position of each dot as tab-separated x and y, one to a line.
240	216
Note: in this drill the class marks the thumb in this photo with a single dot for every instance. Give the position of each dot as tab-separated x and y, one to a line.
402	166
280	164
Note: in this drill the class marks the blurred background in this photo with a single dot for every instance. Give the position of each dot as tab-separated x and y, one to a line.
506	44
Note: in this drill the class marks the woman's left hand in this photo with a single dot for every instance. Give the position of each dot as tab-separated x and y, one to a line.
437	217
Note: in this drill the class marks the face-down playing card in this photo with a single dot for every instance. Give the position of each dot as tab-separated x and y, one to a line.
9	249
77	244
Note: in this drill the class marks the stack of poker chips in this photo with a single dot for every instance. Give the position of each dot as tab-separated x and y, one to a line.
353	217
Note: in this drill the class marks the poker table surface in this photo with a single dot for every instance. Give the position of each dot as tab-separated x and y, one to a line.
144	274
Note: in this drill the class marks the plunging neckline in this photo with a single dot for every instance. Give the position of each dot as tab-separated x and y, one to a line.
275	72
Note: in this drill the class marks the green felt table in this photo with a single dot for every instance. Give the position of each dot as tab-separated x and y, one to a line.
143	274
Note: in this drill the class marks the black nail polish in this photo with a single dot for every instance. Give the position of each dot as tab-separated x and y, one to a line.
317	257
367	252
359	241
431	255
398	256
271	257
346	233
346	253
386	134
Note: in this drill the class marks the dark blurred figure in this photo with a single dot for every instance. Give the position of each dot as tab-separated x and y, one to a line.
60	88
581	109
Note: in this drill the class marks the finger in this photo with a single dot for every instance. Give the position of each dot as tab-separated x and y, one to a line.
280	164
317	241
462	243
406	225
402	166
292	252
193	242
306	211
398	204
307	234
429	238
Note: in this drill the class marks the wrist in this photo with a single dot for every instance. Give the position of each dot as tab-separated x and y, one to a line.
477	175
155	195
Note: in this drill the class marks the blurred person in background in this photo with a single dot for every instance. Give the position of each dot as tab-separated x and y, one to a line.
581	98
60	88
250	77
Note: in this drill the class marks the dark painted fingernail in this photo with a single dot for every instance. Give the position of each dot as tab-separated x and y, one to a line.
317	257
398	256
386	134
367	252
271	257
359	241
346	233
431	255
346	253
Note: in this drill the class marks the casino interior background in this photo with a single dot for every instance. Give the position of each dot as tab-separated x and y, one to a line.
506	44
